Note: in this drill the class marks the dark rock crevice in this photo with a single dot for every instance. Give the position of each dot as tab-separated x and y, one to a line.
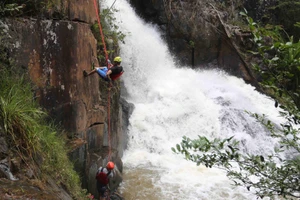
95	124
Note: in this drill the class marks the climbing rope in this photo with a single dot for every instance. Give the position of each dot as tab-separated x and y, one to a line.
108	121
108	96
100	28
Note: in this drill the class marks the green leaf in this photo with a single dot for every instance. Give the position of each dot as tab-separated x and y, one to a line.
174	150
178	147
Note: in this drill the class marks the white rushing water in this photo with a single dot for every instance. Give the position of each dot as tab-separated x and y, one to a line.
171	102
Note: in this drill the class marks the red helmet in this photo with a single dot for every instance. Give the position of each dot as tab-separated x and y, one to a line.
110	165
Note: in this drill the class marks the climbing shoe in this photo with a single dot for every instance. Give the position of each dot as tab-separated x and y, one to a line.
85	73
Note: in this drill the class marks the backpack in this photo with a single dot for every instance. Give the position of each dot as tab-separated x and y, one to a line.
103	177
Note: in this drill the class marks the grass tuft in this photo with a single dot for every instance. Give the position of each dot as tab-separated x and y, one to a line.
30	135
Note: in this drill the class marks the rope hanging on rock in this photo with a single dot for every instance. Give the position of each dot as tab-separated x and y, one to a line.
100	29
108	66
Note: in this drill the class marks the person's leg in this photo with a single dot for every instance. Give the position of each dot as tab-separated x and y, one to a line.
85	73
102	72
101	190
103	193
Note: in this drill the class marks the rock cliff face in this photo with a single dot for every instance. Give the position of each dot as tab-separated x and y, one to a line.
55	53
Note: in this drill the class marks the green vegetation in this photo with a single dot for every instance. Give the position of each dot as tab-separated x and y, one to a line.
9	9
25	127
281	60
109	26
32	8
279	69
287	14
112	34
27	132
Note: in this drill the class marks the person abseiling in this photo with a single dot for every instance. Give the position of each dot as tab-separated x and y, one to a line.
103	175
108	73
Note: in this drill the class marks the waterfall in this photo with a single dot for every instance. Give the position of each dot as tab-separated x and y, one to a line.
174	101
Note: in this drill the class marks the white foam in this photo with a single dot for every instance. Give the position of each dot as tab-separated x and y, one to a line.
173	101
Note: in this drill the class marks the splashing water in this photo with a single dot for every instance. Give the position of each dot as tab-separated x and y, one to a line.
172	101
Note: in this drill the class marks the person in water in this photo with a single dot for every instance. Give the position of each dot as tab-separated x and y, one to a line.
108	73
